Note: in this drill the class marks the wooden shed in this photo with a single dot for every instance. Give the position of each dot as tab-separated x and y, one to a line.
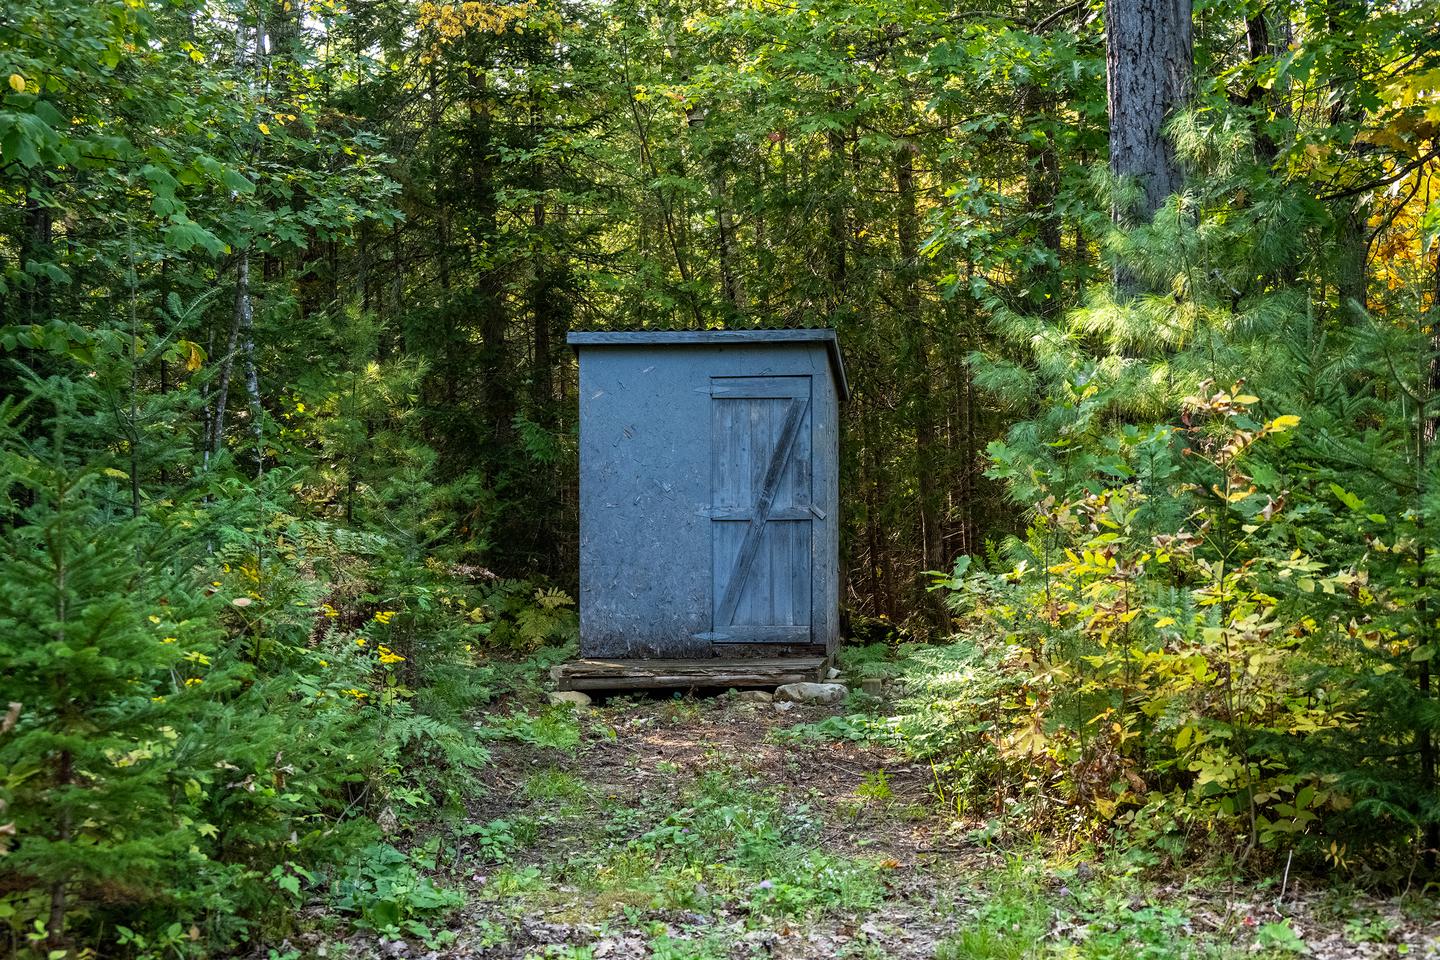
709	507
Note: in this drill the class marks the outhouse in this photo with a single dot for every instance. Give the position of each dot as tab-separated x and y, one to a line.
709	506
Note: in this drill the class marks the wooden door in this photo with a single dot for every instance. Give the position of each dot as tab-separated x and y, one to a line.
762	512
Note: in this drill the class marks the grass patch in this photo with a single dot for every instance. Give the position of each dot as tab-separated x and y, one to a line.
555	728
552	785
726	842
1032	911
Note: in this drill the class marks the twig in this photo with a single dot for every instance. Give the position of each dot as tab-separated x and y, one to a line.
1285	880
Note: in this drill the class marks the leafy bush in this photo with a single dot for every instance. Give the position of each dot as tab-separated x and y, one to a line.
387	893
1169	653
221	695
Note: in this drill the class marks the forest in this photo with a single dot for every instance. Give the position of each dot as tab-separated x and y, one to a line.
1140	304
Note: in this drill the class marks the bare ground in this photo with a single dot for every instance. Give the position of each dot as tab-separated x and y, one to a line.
640	759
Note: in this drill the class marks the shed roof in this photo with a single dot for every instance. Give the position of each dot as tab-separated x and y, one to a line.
608	338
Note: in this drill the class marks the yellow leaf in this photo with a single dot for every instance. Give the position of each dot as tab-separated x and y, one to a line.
17	83
1164	622
1280	424
1247	398
197	56
264	128
193	354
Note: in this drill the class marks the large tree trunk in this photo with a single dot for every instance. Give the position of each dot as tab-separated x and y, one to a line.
1148	61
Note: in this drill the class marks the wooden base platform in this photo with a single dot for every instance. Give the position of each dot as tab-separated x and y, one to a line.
600	674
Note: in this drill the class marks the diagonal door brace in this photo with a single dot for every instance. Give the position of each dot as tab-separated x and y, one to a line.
794	414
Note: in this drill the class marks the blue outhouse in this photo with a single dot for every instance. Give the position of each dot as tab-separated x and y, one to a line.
709	493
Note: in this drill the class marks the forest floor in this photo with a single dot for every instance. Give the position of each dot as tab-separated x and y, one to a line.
714	827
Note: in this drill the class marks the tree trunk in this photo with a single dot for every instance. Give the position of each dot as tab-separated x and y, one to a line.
497	404
837	216
245	312
37	240
1352	219
1042	187
1425	612
215	441
918	373
730	285
1261	44
882	582
1148	62
713	160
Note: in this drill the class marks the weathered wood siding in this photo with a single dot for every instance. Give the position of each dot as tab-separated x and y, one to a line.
709	493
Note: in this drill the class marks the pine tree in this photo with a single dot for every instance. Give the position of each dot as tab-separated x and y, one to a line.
107	652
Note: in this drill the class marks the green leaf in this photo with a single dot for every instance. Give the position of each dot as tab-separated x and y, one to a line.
1346	497
235	181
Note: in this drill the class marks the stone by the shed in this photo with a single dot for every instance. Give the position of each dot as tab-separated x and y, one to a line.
576	698
872	685
822	693
832	674
755	696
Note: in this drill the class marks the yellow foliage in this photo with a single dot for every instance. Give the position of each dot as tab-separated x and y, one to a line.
450	22
1401	252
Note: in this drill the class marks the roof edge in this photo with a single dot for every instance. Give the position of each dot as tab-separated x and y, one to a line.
609	338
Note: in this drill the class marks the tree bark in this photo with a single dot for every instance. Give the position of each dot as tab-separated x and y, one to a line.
730	285
37	241
1425	612
1042	187
245	311
497	402
837	216
1259	45
1148	64
215	441
1353	216
918	372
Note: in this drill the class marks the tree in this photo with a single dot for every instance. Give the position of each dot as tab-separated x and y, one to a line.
1148	64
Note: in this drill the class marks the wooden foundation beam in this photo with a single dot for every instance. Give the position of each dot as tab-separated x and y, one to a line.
601	674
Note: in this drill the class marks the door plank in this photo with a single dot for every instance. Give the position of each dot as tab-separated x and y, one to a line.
760	388
794	414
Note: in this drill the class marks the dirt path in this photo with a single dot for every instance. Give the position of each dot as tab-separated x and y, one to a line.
719	829
648	775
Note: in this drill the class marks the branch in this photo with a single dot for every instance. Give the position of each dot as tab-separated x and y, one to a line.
1044	23
1403	172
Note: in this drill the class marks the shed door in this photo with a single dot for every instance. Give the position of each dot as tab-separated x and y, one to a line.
761	509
